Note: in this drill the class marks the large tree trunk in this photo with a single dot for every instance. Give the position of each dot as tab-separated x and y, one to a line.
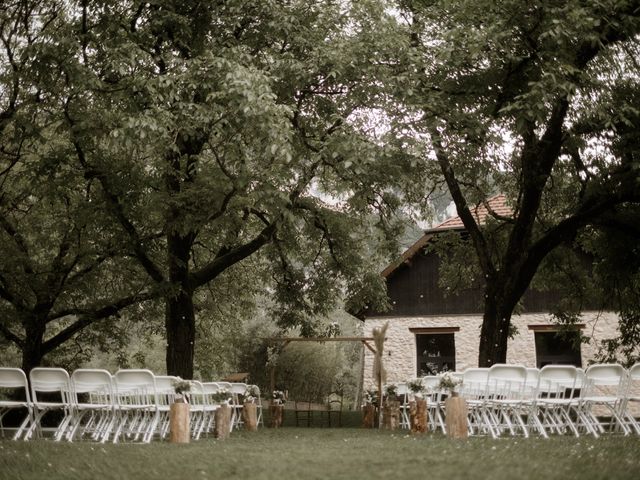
180	326
180	320
32	351
494	334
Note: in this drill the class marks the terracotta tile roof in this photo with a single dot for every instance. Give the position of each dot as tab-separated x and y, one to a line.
497	204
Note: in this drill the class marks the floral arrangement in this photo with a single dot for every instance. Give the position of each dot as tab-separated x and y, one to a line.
416	387
181	386
278	397
221	397
370	397
391	390
251	393
448	382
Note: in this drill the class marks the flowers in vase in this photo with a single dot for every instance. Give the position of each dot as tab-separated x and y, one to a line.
278	397
449	382
221	397
416	387
370	397
181	387
251	393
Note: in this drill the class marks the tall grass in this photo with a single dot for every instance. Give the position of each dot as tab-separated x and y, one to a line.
347	453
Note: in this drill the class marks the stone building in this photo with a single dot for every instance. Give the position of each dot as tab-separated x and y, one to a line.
430	332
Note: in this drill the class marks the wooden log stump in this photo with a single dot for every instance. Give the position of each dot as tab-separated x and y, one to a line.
456	417
250	416
418	415
179	425
369	416
277	413
391	415
222	427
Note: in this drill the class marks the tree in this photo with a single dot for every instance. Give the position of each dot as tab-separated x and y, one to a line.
537	101
60	270
212	131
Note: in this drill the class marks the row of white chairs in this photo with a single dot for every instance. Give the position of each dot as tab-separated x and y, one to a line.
556	399
92	403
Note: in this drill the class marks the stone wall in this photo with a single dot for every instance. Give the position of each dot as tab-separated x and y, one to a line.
400	346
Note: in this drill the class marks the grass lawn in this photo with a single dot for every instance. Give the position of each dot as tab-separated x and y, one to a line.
315	453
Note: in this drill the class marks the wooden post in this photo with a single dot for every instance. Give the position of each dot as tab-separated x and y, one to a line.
179	425
277	414
418	415
222	427
250	416
369	416
391	415
456	417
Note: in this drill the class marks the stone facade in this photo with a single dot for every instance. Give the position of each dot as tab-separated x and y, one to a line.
400	346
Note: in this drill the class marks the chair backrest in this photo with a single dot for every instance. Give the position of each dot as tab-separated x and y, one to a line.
475	375
137	384
211	387
15	378
474	382
224	385
605	374
559	380
50	380
633	387
606	379
532	376
165	383
96	382
238	388
508	380
430	382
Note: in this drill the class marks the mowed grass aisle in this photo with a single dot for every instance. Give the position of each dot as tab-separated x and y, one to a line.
347	453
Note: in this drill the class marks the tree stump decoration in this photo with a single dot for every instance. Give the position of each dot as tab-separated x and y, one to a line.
222	427
391	415
277	413
418	415
179	424
456	417
369	416
250	416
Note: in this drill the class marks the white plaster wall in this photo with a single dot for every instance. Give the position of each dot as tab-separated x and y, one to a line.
400	345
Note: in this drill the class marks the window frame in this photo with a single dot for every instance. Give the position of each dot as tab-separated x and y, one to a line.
440	360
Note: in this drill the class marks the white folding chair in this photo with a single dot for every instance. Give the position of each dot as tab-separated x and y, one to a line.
165	390
474	391
604	394
209	405
435	404
238	390
631	409
557	401
532	376
15	382
50	392
93	404
136	404
402	394
509	399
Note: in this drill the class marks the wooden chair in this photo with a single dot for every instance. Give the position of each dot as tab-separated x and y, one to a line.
334	408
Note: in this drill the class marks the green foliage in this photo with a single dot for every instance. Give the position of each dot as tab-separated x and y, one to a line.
539	102
177	140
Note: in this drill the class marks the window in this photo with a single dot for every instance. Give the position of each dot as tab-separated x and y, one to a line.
436	352
554	348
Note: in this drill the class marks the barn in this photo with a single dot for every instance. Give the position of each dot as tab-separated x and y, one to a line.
431	331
